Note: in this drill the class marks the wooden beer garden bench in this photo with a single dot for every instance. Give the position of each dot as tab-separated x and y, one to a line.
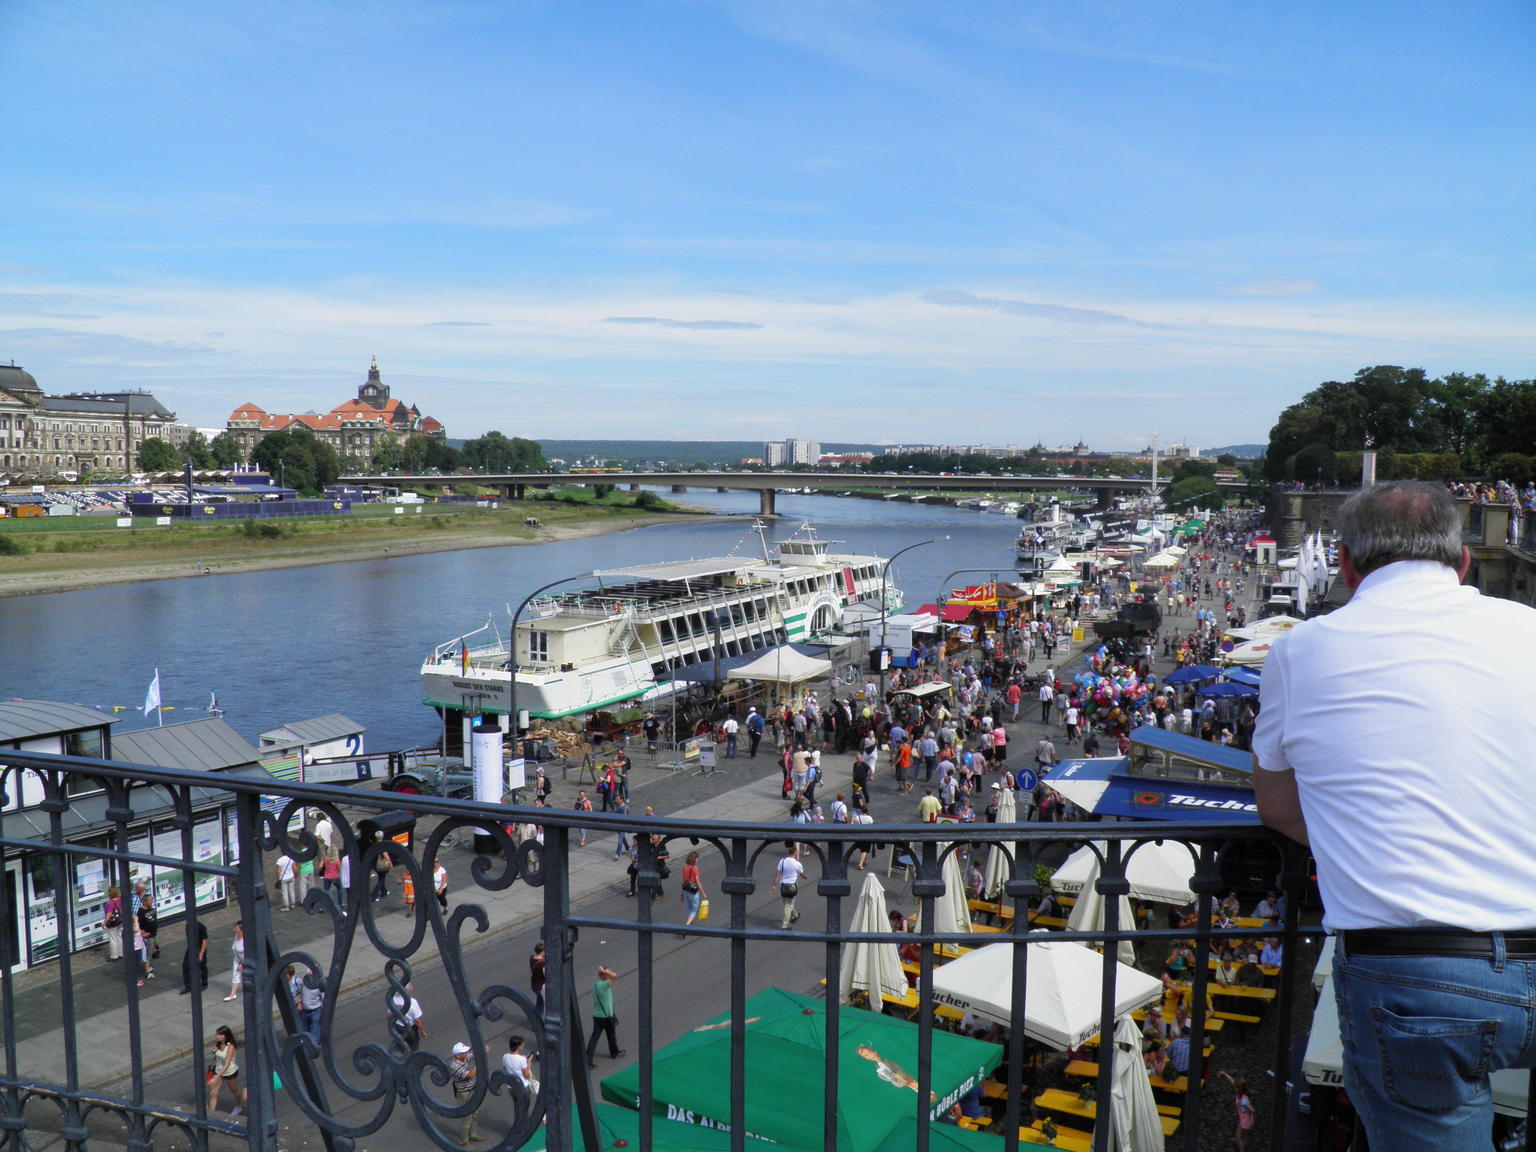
1071	1104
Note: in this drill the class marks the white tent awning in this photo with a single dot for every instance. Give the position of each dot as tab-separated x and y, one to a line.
783	665
1062	988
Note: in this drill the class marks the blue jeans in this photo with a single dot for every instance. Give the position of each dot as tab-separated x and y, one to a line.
1421	1036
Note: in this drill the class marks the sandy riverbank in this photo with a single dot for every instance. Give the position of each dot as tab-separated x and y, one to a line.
44	573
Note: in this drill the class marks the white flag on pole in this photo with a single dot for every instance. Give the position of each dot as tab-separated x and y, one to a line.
152	697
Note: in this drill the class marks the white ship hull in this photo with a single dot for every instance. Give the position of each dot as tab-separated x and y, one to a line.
620	643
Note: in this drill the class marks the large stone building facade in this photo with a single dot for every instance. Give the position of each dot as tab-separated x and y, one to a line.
43	437
356	429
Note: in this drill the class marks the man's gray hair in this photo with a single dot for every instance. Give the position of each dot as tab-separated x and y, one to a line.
1400	520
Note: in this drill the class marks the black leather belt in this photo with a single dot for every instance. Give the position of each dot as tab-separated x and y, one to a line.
1436	942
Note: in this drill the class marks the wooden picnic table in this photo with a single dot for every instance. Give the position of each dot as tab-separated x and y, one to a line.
1071	1104
1267	995
1269	970
1211	1023
987	907
1068	1138
1089	1070
911	1004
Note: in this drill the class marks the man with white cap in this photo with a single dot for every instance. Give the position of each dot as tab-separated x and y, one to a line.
461	1074
755	726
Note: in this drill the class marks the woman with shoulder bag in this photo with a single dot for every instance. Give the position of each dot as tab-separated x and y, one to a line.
223	1069
693	888
112	923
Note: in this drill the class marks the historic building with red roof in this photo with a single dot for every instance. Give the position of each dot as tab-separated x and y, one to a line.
356	428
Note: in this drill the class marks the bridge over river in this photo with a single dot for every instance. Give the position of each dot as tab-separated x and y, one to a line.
513	485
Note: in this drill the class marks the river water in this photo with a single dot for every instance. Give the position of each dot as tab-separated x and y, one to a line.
296	643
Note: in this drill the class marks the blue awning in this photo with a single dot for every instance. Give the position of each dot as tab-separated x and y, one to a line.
1106	787
1249	676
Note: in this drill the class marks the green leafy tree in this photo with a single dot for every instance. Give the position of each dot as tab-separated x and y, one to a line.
1317	463
495	452
1184	469
389	456
427	454
1509	418
226	451
1512	466
197	452
299	458
157	455
1193	492
1452	417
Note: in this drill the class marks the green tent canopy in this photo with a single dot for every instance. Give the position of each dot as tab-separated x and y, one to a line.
619	1128
785	1049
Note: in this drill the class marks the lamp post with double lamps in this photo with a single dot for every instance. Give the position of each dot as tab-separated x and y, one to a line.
885	574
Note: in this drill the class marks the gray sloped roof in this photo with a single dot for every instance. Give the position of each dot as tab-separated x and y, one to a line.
206	745
317	731
108	403
15	379
88	814
29	719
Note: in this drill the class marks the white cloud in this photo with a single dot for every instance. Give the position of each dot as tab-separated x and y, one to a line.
1276	286
861	366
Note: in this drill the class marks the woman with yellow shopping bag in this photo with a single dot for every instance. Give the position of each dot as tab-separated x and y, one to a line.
693	889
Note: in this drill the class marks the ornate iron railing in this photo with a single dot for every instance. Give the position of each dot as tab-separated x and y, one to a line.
343	948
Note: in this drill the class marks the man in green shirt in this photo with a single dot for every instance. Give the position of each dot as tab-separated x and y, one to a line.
603	1018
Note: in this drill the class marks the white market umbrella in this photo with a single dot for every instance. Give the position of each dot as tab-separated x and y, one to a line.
1000	857
1159	873
1272	625
1134	1123
1253	652
1062	988
1090	914
868	967
951	911
999	868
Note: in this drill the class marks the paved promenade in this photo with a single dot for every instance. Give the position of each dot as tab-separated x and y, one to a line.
741	789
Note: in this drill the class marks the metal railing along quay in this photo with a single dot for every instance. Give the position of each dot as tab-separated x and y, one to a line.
153	1093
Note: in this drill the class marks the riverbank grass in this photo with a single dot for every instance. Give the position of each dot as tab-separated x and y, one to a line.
63	545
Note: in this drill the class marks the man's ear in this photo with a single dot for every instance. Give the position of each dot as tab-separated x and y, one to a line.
1348	570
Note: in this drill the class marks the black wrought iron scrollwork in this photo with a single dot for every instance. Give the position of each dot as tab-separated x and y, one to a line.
395	1071
363	963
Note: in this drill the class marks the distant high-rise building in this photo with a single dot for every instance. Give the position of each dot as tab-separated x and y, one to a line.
802	451
777	452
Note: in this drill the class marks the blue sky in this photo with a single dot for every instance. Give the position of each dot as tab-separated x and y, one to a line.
864	220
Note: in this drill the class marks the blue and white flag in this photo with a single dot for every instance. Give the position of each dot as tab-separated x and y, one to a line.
152	697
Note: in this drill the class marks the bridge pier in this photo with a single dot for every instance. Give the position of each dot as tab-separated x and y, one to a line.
634	487
679	487
1105	498
765	502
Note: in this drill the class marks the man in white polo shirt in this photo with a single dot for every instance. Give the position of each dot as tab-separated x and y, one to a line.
1424	832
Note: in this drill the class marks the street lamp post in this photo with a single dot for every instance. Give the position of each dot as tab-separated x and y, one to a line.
512	661
885	573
